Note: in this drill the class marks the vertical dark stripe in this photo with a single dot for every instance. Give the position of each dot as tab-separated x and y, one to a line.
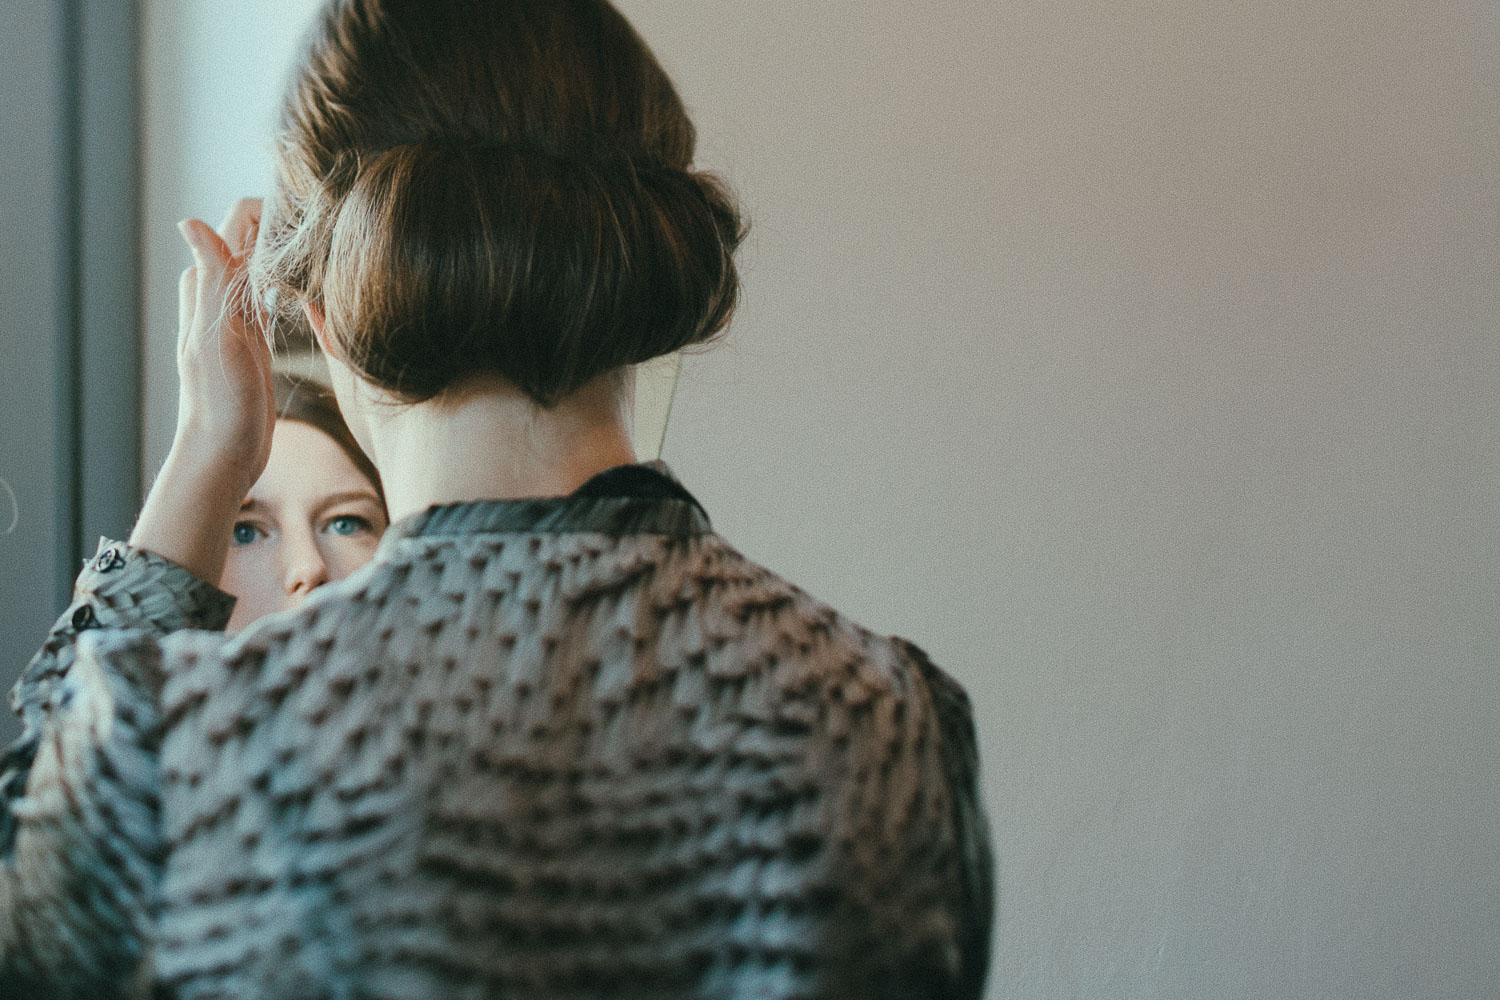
70	472
37	561
109	375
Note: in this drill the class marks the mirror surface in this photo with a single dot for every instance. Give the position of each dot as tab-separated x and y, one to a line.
1137	361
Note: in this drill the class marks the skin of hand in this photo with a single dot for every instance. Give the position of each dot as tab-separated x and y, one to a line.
226	411
312	518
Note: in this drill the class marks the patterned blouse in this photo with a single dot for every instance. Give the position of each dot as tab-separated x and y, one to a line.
563	748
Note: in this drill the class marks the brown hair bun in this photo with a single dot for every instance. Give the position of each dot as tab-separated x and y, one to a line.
500	187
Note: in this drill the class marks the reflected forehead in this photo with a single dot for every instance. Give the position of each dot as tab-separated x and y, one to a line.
307	469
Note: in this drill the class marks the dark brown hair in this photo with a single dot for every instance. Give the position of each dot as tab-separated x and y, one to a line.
493	186
311	403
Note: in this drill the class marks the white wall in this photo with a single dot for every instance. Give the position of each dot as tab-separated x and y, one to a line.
212	76
1141	363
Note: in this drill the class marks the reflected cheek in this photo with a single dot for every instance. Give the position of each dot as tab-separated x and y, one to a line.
343	555
251	576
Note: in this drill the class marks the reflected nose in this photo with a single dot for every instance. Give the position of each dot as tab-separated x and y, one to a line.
305	568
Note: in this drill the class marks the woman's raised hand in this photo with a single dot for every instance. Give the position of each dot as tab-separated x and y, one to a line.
226	406
226	410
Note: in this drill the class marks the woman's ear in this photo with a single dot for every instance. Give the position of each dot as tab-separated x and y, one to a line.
314	314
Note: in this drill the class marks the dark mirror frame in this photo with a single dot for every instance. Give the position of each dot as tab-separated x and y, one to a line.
70	337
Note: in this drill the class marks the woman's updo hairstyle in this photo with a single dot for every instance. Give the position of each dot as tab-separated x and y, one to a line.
499	186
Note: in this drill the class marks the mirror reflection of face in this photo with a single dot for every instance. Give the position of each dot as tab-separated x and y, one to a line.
312	518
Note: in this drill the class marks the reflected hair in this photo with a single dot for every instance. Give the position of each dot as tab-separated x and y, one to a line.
493	186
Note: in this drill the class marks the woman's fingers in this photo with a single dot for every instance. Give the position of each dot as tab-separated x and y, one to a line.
210	253
239	226
226	406
221	274
187	303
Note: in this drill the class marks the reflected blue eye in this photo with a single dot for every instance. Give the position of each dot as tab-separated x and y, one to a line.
245	533
348	524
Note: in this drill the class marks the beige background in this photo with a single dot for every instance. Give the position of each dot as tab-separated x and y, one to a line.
1138	360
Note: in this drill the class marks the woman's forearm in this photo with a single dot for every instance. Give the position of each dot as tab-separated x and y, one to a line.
189	515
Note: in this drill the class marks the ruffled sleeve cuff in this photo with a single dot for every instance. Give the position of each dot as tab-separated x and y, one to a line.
126	587
122	587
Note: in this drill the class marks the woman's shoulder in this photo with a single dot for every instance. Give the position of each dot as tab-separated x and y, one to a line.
763	603
889	742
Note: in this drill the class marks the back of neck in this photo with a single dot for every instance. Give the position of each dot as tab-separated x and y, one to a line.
485	440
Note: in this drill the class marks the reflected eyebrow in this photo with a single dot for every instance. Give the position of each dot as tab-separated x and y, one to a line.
250	504
347	495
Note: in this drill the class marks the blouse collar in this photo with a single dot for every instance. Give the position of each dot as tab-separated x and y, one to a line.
625	500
